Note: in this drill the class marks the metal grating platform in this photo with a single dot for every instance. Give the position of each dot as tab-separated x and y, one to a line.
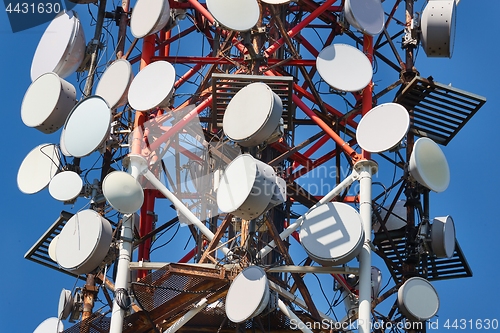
39	252
437	268
225	86
438	111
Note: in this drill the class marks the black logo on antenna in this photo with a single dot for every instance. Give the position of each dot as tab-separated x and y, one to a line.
26	14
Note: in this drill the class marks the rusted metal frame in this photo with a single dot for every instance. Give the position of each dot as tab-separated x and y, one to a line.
387	89
391	39
297	278
166	324
318	162
217	237
295	30
308	262
197	271
184	300
393	48
140	324
295	149
122	30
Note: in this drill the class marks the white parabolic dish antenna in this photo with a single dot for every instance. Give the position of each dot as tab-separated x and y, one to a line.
114	83
50	325
83	242
241	15
438	28
252	115
65	304
365	15
429	166
38	168
123	192
344	67
418	300
47	103
383	127
62	47
145	93
246	187
149	17
65	186
443	237
332	234
248	294
87	126
52	248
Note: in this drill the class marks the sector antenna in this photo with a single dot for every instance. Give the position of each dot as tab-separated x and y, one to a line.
218	164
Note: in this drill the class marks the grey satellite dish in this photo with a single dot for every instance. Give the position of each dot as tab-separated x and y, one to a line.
47	103
418	300
62	47
38	168
87	127
149	17
396	220
344	67
246	187
123	192
65	186
50	325
443	237
83	242
383	127
250	121
248	295
114	83
365	15
65	304
241	15
145	94
438	28
429	166
332	234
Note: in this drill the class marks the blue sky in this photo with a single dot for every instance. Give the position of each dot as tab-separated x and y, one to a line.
30	292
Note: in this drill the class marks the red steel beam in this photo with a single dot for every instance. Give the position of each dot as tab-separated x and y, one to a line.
295	30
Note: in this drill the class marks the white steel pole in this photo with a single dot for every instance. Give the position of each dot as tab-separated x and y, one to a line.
122	271
293	317
366	169
139	164
292	227
185	318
